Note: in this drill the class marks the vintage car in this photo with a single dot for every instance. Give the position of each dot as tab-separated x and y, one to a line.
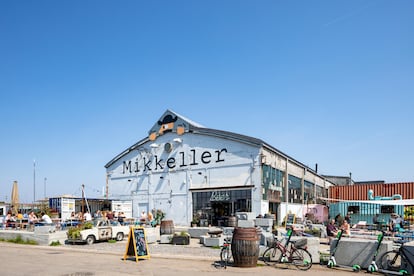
102	230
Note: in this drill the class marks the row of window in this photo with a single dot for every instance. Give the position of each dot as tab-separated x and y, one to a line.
272	179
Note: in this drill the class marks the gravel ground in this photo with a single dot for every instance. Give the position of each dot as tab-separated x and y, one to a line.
193	250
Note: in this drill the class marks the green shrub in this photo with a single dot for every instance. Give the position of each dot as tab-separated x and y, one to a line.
55	243
19	240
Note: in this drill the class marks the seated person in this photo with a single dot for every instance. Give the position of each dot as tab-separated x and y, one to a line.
32	218
19	216
9	219
121	217
395	223
46	219
151	219
346	228
143	218
331	230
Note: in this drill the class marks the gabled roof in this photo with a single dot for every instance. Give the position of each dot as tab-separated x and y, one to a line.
171	121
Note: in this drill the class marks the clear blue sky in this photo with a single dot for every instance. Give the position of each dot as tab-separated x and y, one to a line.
327	82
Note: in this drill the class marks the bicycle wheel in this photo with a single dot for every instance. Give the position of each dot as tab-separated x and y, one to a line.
225	255
391	260
302	259
272	256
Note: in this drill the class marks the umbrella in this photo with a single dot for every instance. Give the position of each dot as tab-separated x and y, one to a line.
15	197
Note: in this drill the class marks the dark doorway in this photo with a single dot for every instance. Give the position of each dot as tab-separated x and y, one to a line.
221	212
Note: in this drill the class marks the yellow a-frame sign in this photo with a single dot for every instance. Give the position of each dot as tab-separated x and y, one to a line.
137	245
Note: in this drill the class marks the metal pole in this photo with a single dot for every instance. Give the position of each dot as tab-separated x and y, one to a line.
83	199
45	186
34	182
106	187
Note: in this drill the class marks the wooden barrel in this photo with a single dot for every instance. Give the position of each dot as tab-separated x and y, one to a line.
232	221
245	246
167	227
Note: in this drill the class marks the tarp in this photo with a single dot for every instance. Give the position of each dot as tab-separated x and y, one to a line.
405	202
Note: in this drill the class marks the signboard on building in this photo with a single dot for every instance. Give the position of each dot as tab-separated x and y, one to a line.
124	206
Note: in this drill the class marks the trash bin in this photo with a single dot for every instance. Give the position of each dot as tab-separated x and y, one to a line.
245	246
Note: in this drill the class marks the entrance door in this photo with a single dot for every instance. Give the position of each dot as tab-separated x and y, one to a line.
221	211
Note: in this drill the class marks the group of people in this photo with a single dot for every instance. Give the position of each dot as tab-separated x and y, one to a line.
32	219
338	224
146	218
394	225
86	216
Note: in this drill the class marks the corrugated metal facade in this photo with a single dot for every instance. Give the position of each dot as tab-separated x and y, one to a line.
360	192
366	211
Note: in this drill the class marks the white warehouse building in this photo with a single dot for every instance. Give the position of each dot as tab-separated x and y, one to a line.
187	170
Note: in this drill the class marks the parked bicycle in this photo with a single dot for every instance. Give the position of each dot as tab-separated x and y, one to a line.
398	261
292	252
225	253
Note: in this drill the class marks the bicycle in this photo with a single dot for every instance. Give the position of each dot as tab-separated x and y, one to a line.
292	252
397	261
225	253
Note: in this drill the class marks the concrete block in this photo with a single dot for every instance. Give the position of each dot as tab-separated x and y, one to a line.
166	238
312	247
245	223
264	222
266	238
197	232
152	234
203	239
245	216
352	251
319	227
228	231
216	241
44	229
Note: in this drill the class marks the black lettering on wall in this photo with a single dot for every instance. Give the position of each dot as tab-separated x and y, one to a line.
194	157
171	163
127	166
183	159
205	157
147	165
136	166
158	163
218	155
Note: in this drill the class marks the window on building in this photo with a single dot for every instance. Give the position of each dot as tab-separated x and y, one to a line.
309	192
295	189
221	203
353	209
387	209
320	192
272	179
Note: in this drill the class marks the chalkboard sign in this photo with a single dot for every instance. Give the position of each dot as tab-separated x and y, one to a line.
290	219
137	245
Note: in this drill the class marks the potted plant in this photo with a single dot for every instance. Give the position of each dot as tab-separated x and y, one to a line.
196	220
158	216
183	238
194	223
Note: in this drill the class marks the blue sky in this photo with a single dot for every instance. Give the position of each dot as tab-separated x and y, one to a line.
327	82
